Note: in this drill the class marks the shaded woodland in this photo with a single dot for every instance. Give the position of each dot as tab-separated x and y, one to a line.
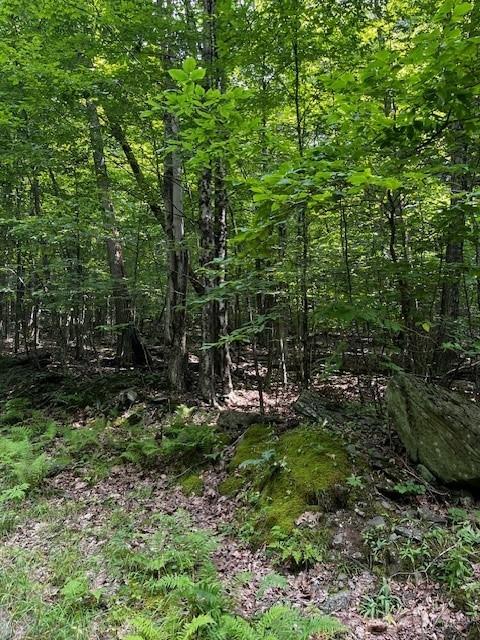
239	319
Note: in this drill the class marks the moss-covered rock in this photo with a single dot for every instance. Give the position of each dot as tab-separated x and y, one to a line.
192	484
300	470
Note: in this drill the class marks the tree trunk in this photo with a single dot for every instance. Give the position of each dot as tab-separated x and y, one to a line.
303	221
146	191
453	262
207	244
394	212
212	211
177	264
130	348
224	361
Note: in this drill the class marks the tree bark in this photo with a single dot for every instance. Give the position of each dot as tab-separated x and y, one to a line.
394	213
145	189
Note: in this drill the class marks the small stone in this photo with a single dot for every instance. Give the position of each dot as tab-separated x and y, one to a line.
339	539
467	502
377	626
431	516
409	532
378	522
426	474
309	519
159	399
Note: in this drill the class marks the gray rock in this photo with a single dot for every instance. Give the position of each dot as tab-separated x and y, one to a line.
315	406
431	516
337	601
439	428
339	539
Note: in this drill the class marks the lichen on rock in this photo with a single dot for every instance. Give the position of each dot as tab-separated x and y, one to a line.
439	428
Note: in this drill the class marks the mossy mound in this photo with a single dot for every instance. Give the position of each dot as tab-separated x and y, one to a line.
192	485
301	470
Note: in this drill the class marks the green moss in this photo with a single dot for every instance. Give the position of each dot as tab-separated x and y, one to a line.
231	485
256	439
306	472
192	485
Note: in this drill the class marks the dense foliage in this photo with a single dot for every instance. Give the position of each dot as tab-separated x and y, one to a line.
262	172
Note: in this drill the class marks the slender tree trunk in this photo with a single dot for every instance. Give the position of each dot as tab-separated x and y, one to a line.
303	223
261	400
224	359
177	264
19	301
130	348
207	244
394	212
146	191
453	261
208	213
477	264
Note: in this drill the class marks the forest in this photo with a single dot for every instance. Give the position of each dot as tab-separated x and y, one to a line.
239	320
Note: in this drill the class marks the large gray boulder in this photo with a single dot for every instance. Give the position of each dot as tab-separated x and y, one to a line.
439	428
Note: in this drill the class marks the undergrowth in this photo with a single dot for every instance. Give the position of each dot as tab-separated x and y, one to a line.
174	572
448	554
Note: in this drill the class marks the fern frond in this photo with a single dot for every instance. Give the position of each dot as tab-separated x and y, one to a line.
197	623
147	629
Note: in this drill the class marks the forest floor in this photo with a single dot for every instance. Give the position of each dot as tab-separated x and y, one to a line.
97	515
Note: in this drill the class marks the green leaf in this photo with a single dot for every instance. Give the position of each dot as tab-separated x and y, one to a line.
198	74
189	65
178	74
462	9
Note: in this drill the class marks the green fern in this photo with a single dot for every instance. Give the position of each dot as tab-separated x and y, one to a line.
283	622
190	599
199	622
32	470
271	581
146	628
